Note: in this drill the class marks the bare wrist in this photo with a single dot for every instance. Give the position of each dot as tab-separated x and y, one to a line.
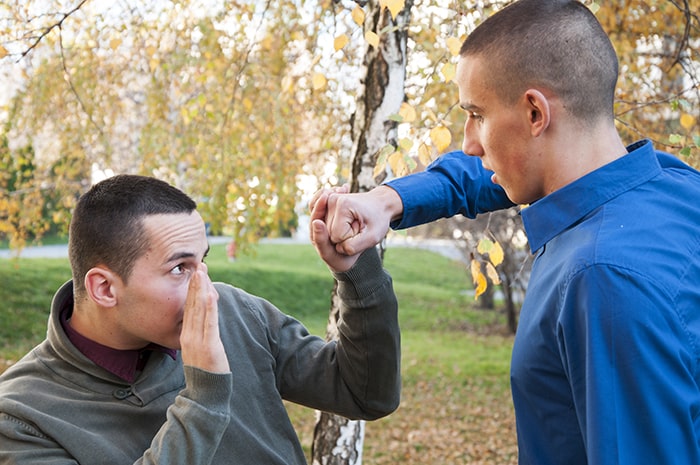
390	201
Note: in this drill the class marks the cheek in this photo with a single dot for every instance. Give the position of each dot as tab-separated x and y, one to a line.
167	300
175	299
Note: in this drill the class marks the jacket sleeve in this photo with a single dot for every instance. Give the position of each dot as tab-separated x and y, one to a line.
357	376
455	183
196	421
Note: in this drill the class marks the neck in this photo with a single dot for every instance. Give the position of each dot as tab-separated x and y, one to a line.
84	321
581	151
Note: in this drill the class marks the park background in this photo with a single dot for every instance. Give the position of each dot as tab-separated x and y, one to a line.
252	105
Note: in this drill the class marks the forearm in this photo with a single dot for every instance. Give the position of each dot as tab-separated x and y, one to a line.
195	422
357	376
369	339
453	184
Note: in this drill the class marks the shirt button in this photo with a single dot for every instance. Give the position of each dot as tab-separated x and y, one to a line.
121	394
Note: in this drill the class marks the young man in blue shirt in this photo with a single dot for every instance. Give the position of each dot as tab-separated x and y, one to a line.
605	365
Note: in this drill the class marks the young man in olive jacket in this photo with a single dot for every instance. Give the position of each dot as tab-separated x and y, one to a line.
147	361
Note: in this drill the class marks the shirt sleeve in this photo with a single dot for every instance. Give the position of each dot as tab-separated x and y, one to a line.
455	183
359	375
630	363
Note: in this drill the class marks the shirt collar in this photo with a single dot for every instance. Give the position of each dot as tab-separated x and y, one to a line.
551	215
123	363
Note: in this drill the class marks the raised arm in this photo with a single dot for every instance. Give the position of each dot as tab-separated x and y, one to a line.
453	184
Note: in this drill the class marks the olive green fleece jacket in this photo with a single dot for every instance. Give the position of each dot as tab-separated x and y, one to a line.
58	407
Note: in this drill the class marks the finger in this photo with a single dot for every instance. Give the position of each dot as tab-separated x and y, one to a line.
318	212
201	297
200	340
326	249
349	246
344	189
341	218
315	197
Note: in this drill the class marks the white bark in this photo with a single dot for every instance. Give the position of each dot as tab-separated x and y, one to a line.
337	440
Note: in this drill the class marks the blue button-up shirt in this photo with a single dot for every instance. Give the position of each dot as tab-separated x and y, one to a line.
605	366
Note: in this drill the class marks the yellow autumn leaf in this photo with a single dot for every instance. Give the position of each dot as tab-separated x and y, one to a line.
492	274
406	144
340	42
247	104
424	154
382	157
318	81
475	268
407	113
454	45
687	121
496	254
478	278
378	169
484	246
398	166
395	6
372	38
115	43
358	15
3	52
441	137
494	249
448	71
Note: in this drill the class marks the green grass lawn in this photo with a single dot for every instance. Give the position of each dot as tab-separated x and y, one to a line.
455	405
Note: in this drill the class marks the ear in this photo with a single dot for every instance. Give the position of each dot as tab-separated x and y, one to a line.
100	285
539	111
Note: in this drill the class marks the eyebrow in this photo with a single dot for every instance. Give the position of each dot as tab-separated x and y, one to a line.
182	255
469	107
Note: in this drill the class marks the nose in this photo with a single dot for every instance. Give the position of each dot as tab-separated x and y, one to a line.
471	144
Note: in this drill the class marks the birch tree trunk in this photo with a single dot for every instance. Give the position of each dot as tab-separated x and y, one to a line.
337	440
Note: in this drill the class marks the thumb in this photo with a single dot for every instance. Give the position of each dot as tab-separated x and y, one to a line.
321	240
319	231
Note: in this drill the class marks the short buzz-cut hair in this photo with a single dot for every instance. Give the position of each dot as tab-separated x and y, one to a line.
107	225
555	44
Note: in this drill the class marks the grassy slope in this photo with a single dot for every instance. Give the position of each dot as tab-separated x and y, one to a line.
455	401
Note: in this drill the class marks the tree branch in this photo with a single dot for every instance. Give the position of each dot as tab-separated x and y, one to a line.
67	77
246	61
50	28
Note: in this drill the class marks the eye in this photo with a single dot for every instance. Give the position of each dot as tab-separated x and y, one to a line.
179	269
475	116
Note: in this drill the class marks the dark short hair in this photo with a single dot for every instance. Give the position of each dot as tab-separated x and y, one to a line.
107	224
555	44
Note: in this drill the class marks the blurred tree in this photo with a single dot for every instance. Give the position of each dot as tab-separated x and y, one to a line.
217	99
